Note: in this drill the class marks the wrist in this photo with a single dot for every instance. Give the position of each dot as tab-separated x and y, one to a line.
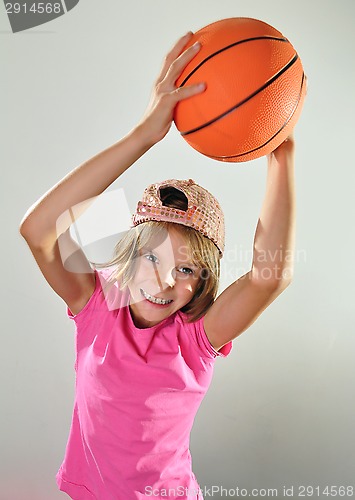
287	146
144	136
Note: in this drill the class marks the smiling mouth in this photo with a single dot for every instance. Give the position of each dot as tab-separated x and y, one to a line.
154	300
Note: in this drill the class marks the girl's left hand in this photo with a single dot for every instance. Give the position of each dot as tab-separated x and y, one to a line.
287	145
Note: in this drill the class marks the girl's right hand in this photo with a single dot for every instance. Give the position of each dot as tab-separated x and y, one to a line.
158	117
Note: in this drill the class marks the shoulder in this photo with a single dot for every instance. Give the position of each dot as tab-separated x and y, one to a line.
110	288
106	295
197	334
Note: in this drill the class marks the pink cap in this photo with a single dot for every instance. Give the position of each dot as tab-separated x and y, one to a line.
203	213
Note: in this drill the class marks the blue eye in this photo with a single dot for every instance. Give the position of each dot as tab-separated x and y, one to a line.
185	270
151	257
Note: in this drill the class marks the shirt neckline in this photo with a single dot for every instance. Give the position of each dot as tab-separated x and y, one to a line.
149	329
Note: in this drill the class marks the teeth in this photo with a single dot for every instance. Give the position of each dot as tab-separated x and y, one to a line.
154	299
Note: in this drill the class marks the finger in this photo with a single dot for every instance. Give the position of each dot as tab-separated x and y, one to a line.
185	92
179	64
179	46
173	54
306	81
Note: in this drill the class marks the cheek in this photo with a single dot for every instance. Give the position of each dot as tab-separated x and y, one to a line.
189	285
143	270
145	277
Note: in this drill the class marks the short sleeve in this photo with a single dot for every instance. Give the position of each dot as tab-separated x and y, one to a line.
106	297
204	344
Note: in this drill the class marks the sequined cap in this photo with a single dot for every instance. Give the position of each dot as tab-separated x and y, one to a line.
203	213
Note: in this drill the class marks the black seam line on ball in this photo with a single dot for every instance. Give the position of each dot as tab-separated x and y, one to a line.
271	138
269	82
229	47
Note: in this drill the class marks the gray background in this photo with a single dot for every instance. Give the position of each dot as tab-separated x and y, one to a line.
280	410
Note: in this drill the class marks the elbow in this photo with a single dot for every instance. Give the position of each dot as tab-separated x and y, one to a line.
28	231
273	280
286	277
26	225
27	235
35	237
282	284
23	229
283	279
26	228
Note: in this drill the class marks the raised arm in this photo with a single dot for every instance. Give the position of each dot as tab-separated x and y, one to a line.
242	302
40	226
275	233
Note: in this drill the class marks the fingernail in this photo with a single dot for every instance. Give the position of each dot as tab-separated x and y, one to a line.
201	86
189	33
196	45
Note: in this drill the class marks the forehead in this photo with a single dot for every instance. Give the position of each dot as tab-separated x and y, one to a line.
170	242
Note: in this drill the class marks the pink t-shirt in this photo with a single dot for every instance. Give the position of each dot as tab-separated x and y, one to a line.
137	394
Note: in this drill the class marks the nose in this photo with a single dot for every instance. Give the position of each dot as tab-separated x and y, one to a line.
165	279
170	279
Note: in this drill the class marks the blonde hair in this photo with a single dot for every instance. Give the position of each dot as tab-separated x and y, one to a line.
203	252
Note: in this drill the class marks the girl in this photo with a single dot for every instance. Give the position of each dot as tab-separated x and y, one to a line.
148	332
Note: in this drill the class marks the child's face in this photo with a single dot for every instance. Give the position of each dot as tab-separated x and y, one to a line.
165	274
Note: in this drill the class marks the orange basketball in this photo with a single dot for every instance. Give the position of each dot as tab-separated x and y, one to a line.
255	88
